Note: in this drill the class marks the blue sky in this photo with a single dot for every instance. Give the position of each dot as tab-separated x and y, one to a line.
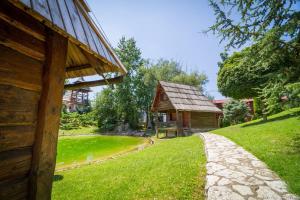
170	29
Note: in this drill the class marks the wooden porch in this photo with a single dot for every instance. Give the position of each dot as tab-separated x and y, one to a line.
176	122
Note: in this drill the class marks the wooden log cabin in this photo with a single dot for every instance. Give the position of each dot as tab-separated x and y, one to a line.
42	42
185	108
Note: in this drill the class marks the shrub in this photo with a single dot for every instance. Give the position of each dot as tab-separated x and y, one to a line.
235	112
75	120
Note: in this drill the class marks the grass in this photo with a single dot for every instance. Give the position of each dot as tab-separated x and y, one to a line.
74	149
80	131
170	169
276	142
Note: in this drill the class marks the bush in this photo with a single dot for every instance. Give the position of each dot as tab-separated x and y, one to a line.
235	112
75	120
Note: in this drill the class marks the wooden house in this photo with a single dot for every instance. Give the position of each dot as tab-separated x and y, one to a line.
185	107
76	99
42	42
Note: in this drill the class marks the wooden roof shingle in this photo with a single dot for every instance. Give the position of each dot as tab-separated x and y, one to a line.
187	98
72	19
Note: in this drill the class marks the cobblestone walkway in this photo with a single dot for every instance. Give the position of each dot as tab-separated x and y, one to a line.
235	174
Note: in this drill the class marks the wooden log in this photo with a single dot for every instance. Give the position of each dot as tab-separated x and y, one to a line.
75	86
78	68
14	189
15	163
44	151
21	20
19	70
10	99
13	137
18	40
11	117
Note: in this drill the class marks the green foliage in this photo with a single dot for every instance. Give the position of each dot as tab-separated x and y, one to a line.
125	103
74	120
272	62
127	107
239	77
106	110
258	107
235	112
253	19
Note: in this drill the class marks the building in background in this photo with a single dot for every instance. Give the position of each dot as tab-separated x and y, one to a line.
184	108
76	99
220	104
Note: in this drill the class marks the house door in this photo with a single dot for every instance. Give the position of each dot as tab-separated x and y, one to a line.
185	119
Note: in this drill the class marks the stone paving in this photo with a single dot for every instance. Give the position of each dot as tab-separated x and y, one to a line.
235	174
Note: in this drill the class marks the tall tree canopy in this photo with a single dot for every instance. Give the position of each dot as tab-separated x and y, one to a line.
130	56
239	21
272	62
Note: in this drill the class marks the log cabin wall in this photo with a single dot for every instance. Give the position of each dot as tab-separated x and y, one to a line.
203	120
22	56
30	98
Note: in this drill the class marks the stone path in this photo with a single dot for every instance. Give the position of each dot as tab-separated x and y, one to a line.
235	174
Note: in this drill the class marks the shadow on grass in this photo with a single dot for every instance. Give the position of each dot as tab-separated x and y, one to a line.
289	115
58	177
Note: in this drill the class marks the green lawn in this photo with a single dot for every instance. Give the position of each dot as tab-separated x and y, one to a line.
276	142
170	169
74	149
80	131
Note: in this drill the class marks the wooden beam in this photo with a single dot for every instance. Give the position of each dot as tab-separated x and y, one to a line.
44	151
179	123
75	86
96	64
78	68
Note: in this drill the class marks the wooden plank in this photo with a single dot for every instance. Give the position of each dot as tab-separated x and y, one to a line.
44	152
55	13
85	24
19	70
66	18
18	17
12	137
21	41
76	22
78	68
21	26
17	99
97	43
11	117
94	83
41	6
15	163
202	120
14	189
179	123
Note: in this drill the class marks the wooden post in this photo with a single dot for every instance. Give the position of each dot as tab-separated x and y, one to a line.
156	123
44	151
179	123
190	121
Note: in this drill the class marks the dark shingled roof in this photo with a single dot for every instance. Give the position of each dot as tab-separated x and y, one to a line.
188	98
